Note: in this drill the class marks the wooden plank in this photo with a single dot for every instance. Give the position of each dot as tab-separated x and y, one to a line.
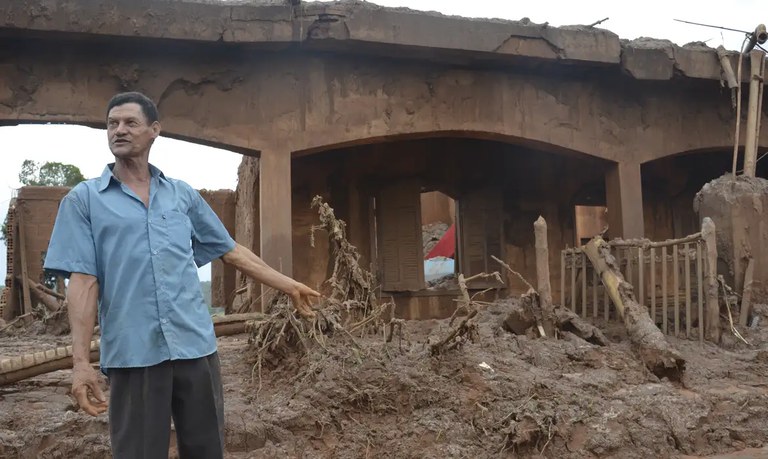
686	247
653	283
700	285
542	274
27	303
664	311
713	306
676	287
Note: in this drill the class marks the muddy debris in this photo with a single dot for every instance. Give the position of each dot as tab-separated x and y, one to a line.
355	382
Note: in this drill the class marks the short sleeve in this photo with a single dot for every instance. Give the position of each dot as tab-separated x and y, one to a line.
71	249
210	240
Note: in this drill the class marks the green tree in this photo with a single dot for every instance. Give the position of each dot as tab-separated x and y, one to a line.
45	174
49	174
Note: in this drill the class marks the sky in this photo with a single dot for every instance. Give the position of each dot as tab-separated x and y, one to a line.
205	167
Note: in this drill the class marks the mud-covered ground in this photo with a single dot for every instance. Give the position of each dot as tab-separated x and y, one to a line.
501	396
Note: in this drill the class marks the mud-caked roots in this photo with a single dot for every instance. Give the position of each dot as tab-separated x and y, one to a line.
349	305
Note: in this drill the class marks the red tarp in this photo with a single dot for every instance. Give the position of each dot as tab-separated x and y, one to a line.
446	246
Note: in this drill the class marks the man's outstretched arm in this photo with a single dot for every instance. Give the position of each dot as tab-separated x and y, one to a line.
254	267
82	299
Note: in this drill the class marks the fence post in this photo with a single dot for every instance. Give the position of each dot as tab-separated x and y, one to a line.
713	305
542	274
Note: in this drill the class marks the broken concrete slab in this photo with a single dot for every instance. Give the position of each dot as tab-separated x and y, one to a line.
348	25
648	59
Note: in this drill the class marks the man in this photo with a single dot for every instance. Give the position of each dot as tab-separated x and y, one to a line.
129	242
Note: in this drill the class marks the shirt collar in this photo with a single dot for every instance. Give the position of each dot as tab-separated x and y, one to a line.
107	175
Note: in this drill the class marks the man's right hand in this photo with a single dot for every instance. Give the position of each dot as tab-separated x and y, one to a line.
86	388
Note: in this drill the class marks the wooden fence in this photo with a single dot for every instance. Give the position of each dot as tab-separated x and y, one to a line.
669	278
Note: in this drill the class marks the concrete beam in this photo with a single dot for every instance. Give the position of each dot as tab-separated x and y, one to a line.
358	27
624	198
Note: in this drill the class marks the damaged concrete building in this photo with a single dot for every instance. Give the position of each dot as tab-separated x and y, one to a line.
378	109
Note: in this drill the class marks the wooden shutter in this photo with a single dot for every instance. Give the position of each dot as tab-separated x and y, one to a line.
400	251
480	235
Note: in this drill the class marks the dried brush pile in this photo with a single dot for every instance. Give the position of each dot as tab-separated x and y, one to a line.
349	307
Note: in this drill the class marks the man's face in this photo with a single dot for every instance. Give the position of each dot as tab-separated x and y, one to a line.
129	133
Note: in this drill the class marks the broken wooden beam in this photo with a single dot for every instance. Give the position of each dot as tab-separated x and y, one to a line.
44	295
655	352
570	322
37	363
647	243
712	304
542	275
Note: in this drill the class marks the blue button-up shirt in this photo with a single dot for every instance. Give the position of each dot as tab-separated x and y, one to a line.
151	308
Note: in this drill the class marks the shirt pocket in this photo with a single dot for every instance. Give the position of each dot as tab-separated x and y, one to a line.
179	228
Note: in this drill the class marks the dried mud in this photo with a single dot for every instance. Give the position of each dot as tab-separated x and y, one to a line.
738	208
500	396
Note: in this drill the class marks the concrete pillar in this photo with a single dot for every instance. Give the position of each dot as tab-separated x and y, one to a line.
275	209
624	198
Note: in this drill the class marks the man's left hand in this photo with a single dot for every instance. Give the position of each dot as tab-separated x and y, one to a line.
300	297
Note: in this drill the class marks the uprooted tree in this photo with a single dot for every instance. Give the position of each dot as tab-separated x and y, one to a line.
349	306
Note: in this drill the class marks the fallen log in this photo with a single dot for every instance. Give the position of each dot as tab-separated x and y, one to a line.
521	320
656	353
37	363
568	321
44	295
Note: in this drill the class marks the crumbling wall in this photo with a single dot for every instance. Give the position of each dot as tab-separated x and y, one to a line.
35	214
223	203
9	301
36	209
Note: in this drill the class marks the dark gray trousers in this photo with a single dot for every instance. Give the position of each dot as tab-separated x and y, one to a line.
143	400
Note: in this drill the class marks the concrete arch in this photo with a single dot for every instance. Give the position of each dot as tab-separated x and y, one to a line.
176	135
528	144
724	149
